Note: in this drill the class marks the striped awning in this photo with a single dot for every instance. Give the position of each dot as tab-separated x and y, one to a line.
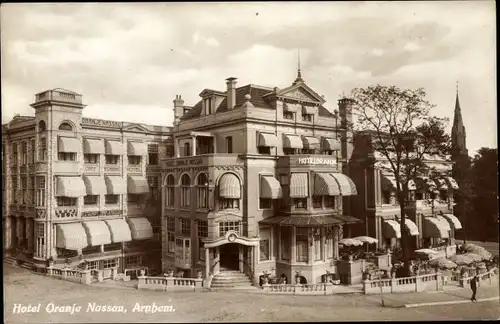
441	184
309	142
113	147
391	228
346	185
95	185
119	229
140	228
137	185
299	185
326	185
444	222
137	148
389	181
330	144
411	227
97	233
291	107
267	139
93	146
71	236
453	221
434	228
270	188
73	187
229	186
453	184
115	185
310	221
292	141
68	145
308	110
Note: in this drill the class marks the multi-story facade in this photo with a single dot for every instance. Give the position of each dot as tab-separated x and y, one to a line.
77	189
256	182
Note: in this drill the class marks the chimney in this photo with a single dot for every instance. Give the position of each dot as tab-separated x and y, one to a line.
178	109
231	92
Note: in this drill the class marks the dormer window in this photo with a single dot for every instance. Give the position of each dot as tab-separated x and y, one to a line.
288	115
208	106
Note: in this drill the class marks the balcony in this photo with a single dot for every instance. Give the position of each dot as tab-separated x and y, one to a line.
66	167
32	168
66	213
41	167
23	169
112	169
91	168
134	169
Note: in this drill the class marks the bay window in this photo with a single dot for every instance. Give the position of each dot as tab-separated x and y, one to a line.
286	241
302	244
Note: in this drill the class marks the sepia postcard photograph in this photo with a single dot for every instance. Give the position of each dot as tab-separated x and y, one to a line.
249	161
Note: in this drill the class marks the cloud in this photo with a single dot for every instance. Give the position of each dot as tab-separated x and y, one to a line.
210	41
411	47
377	52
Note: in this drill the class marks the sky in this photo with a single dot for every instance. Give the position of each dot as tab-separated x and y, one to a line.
129	61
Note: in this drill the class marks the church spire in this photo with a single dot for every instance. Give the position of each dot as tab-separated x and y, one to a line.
299	75
458	135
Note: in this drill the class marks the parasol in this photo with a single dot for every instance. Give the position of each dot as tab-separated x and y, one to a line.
475	257
443	263
426	251
366	239
461	259
350	242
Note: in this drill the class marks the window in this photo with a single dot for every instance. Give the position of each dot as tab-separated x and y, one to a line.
330	201
202	233
386	196
14	154
24	153
288	115
135	199
65	127
43	149
13	181
301	239
185	191
91	158
186	227
112	159
306	117
153	188
300	203
329	242
308	151
286	239
170	151
187	149
133	260
327	152
228	203
265	244
229	144
33	190
171	234
134	160
208	106
225	227
317	245
170	198
153	154
264	150
41	126
66	156
202	191
40	238
66	201
111	199
265	203
289	151
91	200
317	202
64	253
40	192
110	263
33	151
24	189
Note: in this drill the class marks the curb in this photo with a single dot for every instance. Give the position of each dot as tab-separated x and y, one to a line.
452	302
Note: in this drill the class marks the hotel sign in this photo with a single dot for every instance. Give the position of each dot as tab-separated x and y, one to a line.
316	161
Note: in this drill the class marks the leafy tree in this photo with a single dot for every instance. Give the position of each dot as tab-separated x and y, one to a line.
405	133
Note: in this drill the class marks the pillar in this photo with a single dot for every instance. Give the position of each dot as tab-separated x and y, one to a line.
207	262
323	244
293	248
7	233
29	234
176	147
214	139
193	145
240	258
336	242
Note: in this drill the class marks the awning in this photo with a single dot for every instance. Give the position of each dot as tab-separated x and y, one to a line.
114	148
346	185
309	110
292	141
119	229
441	184
330	144
270	188
93	146
389	181
326	185
310	221
291	107
412	185
95	185
391	229
68	145
267	139
428	182
434	228
299	185
452	182
453	221
444	222
309	142
137	185
140	228
73	187
229	186
97	233
115	185
411	227
137	148
71	236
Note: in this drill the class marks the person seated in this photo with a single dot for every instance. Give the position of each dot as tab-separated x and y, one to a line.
282	279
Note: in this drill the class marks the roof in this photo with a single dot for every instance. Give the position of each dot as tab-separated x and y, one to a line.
310	221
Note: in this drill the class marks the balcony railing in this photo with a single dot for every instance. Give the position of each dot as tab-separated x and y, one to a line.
134	169
66	212
112	168
91	168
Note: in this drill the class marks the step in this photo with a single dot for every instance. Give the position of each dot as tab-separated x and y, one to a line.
230	277
230	285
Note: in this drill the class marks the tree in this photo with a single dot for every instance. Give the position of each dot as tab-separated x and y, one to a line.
404	133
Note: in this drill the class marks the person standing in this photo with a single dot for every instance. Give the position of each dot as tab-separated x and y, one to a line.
473	286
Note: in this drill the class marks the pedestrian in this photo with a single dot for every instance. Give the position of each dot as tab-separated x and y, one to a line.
473	287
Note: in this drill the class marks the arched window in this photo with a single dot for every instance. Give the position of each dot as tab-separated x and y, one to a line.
65	127
185	190
202	191
170	198
229	192
41	126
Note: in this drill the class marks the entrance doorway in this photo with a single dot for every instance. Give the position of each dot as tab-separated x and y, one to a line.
229	256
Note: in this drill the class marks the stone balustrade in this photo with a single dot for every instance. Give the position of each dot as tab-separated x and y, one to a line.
486	277
299	289
429	282
170	283
79	276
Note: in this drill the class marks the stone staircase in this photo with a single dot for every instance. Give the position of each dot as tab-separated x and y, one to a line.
230	279
10	261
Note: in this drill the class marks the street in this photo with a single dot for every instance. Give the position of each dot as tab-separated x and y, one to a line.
25	288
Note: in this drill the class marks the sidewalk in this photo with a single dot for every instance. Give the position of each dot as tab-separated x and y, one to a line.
448	296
